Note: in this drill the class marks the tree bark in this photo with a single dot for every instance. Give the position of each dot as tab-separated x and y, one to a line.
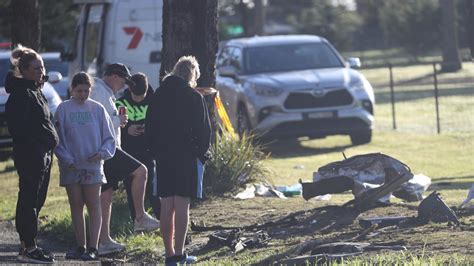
260	17
25	27
190	28
451	59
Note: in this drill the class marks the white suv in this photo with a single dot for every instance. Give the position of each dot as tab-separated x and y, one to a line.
292	86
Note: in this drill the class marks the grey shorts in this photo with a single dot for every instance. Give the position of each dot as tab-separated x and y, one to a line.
81	176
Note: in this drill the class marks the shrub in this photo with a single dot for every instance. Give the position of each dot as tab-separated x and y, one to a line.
235	162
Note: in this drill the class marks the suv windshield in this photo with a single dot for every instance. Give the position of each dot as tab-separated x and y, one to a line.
4	67
289	57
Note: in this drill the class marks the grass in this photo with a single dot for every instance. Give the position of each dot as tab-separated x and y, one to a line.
446	158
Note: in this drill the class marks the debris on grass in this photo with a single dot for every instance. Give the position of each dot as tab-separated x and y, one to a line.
434	209
470	196
371	177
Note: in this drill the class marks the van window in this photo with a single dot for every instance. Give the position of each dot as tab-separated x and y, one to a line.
92	35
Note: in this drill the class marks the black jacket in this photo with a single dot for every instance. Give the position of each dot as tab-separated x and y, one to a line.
177	123
28	117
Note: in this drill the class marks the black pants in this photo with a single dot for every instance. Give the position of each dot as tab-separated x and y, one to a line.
34	170
150	194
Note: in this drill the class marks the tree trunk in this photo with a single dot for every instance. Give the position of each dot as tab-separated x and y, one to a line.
190	28
260	17
25	27
451	59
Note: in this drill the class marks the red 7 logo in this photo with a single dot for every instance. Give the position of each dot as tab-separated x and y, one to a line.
137	36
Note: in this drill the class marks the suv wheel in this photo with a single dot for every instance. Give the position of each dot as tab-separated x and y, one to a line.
362	137
243	122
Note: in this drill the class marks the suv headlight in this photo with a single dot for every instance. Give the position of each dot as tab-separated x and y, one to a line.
357	87
266	91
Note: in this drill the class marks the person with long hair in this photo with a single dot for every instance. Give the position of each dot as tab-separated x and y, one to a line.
178	133
34	138
86	140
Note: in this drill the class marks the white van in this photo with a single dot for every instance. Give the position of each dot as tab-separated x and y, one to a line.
126	31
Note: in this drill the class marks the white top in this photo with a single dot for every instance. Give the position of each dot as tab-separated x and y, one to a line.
102	93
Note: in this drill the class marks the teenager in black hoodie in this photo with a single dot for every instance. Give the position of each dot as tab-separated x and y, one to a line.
178	133
34	138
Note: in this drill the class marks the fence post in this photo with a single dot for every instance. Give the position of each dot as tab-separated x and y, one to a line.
436	97
392	97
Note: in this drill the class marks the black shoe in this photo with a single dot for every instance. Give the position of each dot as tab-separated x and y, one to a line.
47	252
35	256
90	254
172	261
75	254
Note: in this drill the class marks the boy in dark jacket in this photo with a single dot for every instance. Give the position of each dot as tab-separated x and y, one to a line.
136	100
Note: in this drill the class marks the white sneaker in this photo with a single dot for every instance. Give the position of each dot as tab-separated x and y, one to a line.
110	247
147	223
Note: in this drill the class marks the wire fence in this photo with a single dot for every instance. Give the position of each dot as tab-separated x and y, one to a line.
423	99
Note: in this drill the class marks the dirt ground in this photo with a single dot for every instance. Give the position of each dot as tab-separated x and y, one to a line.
318	222
315	222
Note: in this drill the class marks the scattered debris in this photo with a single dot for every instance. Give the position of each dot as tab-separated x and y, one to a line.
414	188
248	193
333	185
288	220
260	190
470	196
334	252
371	177
382	221
290	191
235	241
434	209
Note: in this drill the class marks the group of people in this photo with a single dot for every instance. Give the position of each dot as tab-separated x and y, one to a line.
158	148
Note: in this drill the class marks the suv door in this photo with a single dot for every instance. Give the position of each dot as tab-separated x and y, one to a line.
230	87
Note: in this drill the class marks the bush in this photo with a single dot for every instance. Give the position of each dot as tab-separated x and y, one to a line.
235	162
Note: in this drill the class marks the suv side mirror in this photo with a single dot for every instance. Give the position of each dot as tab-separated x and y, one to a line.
228	71
354	62
54	77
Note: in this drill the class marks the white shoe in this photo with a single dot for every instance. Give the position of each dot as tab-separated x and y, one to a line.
110	247
147	223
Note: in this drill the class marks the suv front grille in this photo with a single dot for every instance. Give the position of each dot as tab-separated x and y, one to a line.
302	100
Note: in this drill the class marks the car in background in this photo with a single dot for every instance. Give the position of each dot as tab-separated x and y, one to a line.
57	70
49	92
293	86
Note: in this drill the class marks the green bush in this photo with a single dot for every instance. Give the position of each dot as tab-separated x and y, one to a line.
235	163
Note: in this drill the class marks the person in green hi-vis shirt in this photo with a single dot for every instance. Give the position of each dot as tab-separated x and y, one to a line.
136	99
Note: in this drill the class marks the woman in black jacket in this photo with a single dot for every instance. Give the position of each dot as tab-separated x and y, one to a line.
34	138
178	134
